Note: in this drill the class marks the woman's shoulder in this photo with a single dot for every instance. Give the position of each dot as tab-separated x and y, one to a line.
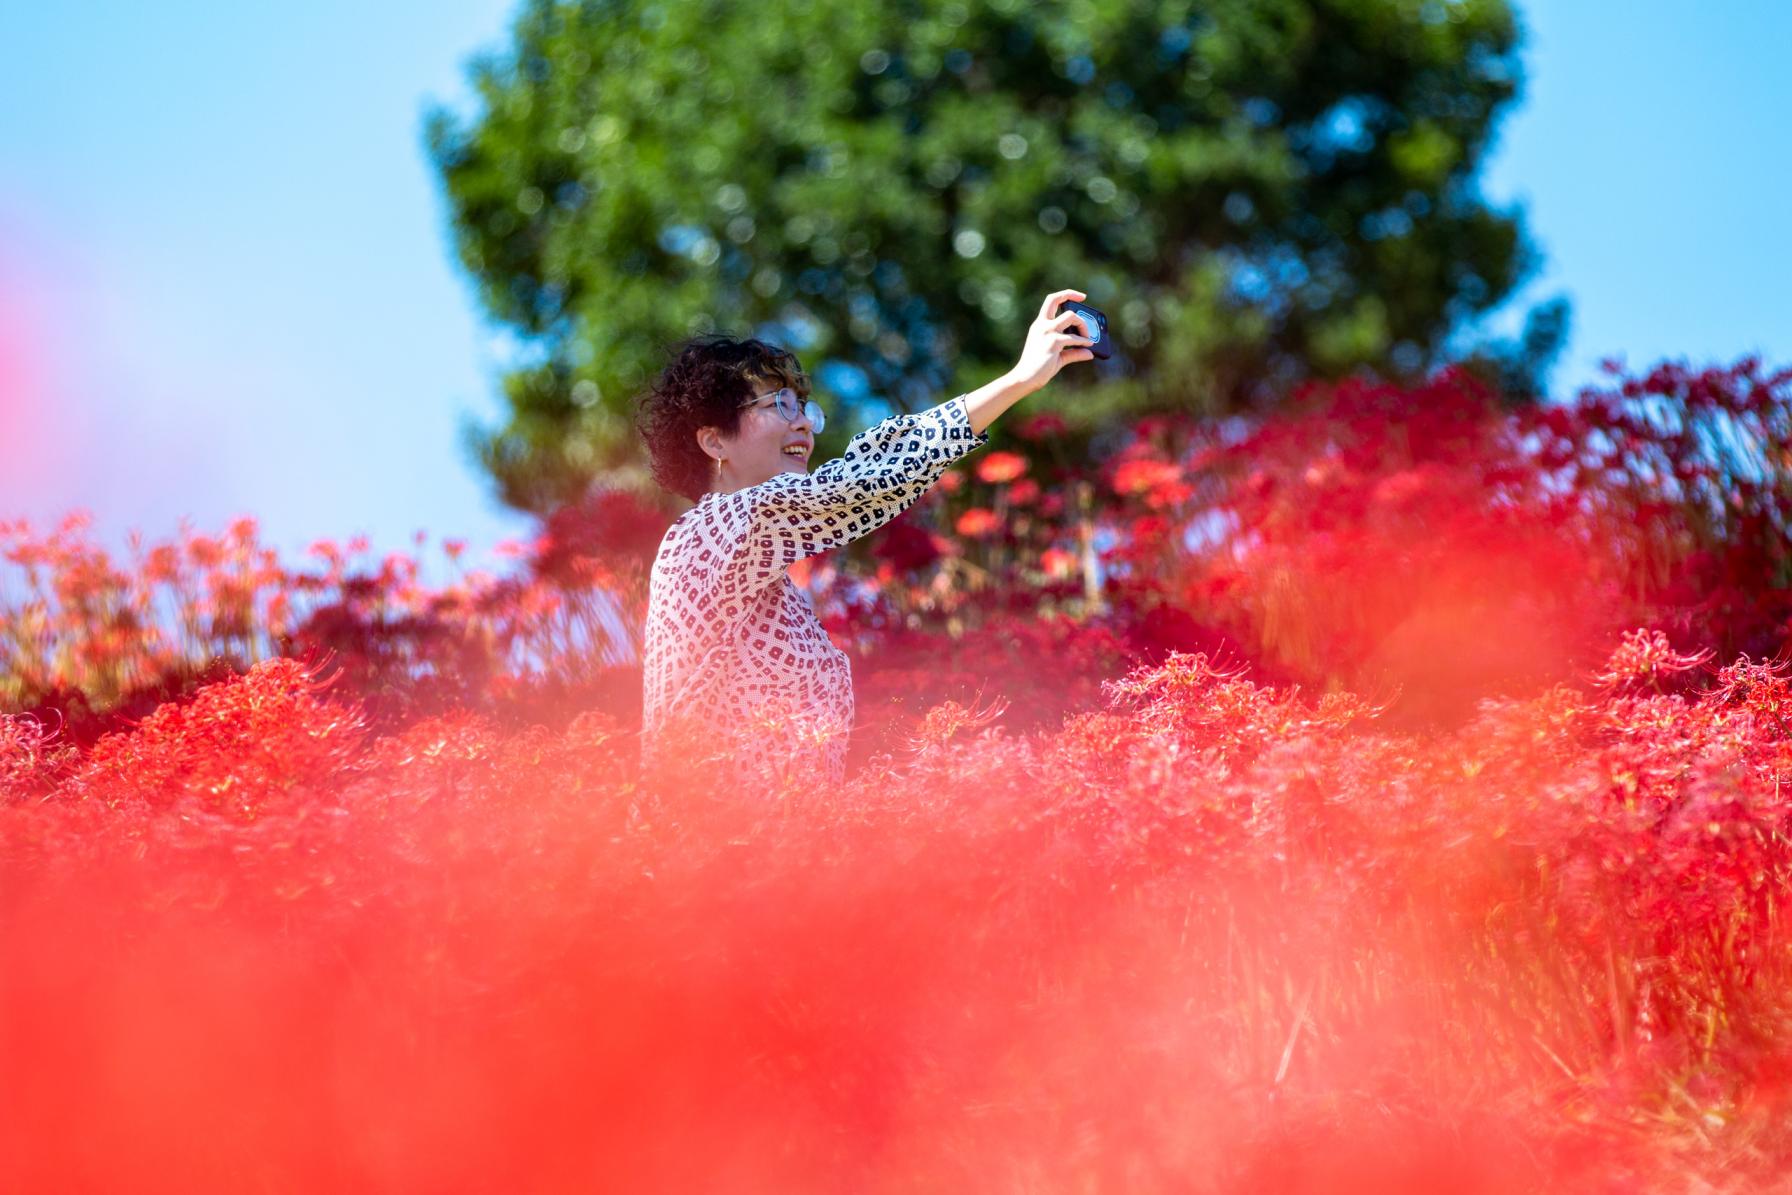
717	518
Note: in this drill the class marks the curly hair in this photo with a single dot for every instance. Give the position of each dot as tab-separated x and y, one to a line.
710	376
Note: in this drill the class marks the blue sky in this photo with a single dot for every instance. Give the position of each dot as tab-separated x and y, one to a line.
220	231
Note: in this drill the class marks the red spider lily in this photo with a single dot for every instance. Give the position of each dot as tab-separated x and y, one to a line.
907	546
1644	658
1042	425
1158	482
978	522
611	525
1058	563
236	746
1139	475
1240	890
998	467
947	720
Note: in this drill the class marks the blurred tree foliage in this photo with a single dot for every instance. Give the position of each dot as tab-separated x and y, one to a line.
1254	190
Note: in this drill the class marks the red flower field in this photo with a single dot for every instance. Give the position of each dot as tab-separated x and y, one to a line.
1386	795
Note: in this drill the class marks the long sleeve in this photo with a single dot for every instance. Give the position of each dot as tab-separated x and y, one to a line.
883	471
729	635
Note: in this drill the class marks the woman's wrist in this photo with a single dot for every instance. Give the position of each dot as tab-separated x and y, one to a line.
985	404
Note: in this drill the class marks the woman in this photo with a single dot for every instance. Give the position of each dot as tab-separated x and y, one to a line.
733	648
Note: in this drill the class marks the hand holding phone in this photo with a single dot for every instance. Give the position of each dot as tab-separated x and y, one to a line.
1055	338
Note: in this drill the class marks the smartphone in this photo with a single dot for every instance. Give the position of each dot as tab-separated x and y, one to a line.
1096	324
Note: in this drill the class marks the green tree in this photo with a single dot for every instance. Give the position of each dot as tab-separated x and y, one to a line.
1256	191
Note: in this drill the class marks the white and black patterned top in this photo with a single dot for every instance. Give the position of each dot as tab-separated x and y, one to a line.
730	636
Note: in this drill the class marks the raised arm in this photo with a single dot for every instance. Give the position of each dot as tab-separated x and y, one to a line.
887	467
1053	341
884	469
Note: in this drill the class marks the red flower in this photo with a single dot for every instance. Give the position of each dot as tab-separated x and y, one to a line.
1058	563
1643	658
978	523
1042	426
999	467
905	545
1143	475
608	524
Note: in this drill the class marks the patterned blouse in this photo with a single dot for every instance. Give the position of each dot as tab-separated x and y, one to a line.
730	637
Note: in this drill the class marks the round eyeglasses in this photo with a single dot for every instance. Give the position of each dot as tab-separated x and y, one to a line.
790	406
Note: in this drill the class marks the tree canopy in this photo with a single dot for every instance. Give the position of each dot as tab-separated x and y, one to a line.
1256	191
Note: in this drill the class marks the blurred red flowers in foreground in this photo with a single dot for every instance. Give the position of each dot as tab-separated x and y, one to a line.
1205	936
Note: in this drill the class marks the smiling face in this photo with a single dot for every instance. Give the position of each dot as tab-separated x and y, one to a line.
766	445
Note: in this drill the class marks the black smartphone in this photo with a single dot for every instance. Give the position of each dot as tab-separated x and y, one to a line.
1096	324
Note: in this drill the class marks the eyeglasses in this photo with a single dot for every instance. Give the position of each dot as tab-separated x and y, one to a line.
790	406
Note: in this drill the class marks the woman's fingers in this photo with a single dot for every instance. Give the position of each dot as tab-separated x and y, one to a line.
1056	297
1061	320
1068	319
